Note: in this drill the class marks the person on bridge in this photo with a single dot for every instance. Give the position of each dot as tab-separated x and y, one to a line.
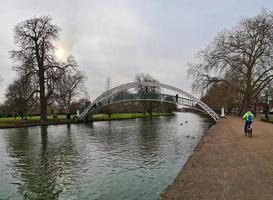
176	98
248	116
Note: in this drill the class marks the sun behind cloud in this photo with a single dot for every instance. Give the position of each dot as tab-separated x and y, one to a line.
60	53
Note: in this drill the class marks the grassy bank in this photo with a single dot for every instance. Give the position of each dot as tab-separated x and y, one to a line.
9	122
118	116
61	119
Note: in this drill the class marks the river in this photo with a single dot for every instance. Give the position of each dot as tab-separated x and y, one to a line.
123	160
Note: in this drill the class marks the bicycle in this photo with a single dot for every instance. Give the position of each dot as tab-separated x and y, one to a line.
248	131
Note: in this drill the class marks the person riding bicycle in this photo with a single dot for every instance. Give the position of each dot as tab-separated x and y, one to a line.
248	116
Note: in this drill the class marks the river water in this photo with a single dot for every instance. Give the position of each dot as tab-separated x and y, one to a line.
123	160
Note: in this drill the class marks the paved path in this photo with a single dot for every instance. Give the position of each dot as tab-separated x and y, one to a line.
228	165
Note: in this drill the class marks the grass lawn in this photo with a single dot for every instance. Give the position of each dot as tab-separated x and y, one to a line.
125	116
118	116
33	118
12	122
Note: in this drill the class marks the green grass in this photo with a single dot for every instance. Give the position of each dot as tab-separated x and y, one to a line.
33	118
116	116
12	122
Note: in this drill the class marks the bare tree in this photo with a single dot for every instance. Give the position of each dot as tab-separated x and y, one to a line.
19	98
221	95
36	57
68	87
146	91
242	58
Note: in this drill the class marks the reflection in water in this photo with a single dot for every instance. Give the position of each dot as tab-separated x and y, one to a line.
42	173
132	159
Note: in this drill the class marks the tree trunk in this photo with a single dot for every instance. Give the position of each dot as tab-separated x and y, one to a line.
239	114
266	111
255	107
144	108
247	103
68	115
42	97
109	112
150	110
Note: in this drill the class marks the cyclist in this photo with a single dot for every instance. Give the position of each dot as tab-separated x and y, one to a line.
248	116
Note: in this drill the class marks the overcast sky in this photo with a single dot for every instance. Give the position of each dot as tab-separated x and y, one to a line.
119	38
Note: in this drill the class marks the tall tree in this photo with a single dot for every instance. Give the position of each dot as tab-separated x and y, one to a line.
147	91
144	90
68	87
242	58
19	98
221	95
36	58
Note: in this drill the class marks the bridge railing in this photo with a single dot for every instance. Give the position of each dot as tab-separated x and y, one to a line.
144	97
107	97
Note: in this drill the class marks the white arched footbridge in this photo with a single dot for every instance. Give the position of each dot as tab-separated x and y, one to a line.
187	99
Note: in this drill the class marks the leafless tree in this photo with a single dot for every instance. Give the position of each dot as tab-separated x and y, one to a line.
271	92
146	91
68	88
36	58
220	95
242	58
19	98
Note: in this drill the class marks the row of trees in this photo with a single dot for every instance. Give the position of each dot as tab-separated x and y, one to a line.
42	79
236	68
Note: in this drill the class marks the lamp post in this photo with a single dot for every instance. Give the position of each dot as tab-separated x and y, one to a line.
267	102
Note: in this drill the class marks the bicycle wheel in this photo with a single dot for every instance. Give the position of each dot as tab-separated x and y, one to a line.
250	132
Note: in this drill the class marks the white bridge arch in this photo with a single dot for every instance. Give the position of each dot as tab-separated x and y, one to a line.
91	107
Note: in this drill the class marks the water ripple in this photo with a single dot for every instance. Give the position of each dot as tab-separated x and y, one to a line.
132	159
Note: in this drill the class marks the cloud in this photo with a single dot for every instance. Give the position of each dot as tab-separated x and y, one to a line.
124	37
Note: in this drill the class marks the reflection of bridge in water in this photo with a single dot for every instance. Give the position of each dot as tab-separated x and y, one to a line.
115	95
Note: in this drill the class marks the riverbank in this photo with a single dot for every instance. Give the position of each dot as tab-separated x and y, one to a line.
61	119
228	165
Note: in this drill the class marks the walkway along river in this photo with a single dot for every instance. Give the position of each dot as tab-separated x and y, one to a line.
129	159
228	165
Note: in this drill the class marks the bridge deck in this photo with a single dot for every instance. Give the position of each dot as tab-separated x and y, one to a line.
228	165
